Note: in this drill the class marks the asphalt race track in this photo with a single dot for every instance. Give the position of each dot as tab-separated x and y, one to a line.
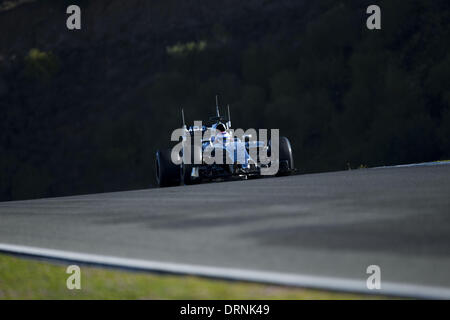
326	225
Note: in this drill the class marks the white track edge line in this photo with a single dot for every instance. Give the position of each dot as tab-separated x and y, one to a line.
269	277
411	165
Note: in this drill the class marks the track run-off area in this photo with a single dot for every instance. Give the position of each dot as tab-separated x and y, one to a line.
314	230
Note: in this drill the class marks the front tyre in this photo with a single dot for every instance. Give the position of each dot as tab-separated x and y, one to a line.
286	159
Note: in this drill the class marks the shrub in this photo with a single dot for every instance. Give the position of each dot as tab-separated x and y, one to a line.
41	65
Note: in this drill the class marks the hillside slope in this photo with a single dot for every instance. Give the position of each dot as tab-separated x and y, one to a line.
84	111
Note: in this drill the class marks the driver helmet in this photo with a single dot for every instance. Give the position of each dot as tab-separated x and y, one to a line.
220	127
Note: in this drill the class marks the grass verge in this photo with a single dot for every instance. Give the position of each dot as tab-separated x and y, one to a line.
22	278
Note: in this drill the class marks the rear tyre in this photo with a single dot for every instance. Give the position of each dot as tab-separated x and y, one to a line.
167	173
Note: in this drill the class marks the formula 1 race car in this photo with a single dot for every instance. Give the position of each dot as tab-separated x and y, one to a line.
215	152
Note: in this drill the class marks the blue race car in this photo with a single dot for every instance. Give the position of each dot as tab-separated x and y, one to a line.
216	152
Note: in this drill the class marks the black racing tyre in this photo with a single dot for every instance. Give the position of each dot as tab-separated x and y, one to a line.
286	157
286	165
167	173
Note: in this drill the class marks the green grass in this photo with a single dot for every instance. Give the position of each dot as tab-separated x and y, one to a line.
22	278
